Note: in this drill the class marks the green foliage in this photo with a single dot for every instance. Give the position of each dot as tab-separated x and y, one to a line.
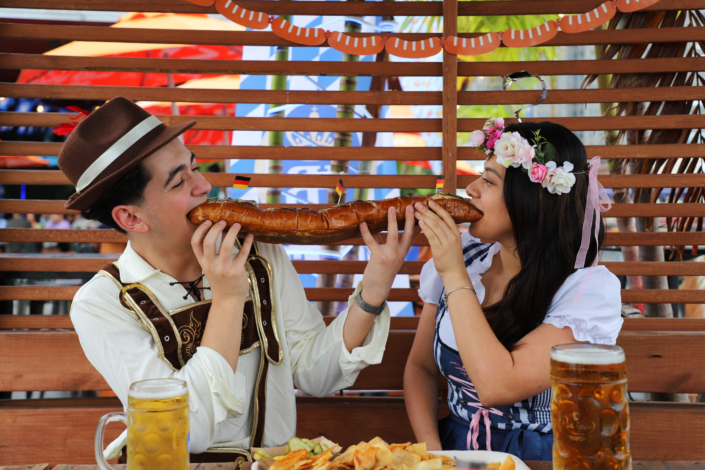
486	24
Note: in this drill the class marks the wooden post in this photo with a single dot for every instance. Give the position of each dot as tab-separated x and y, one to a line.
450	99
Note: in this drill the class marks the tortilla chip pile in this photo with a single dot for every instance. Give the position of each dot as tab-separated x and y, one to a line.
373	455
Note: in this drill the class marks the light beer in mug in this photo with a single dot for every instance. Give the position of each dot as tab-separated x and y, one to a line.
157	422
589	409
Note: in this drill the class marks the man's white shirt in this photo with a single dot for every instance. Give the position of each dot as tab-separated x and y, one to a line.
315	361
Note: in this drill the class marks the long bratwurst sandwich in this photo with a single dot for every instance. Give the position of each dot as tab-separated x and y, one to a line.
300	226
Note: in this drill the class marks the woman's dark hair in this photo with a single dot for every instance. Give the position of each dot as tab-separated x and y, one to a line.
128	190
548	230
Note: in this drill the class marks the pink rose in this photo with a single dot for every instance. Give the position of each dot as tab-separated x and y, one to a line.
499	123
537	173
524	154
477	138
493	137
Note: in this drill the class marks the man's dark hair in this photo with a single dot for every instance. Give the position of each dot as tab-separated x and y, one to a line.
128	190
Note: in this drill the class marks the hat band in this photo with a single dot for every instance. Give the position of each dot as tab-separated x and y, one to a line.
115	150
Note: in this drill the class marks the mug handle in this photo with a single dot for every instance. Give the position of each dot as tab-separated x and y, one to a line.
100	437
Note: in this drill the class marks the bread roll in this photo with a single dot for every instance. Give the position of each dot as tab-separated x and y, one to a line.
302	226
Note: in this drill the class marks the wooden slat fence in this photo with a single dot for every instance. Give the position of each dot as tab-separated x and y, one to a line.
662	354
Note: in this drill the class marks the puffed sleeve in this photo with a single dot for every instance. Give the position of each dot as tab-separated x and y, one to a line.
320	362
596	315
123	353
430	283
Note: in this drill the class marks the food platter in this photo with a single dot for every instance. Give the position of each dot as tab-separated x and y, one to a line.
483	456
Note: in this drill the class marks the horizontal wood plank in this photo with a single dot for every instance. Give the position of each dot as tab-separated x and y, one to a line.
312	294
85	263
246	123
45	206
112	236
252	67
675	121
656	362
223	152
67	431
475	98
492	8
55	177
57	322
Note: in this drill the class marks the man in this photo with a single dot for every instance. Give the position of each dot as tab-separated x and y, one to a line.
145	317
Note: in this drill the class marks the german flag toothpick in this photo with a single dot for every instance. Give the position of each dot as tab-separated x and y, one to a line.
241	182
440	181
339	190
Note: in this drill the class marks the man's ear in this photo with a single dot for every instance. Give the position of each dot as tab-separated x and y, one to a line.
126	217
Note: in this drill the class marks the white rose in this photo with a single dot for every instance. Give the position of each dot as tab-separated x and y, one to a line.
559	180
505	145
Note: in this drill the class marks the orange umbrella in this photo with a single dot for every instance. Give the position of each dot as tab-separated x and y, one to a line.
22	161
201	136
118	49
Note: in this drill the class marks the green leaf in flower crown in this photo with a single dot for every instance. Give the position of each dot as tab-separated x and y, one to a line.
549	152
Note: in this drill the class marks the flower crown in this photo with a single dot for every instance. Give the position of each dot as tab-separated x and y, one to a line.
511	149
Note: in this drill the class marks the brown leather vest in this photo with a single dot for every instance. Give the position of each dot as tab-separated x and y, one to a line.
177	334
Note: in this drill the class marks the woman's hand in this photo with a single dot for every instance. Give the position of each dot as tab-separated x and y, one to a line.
444	238
226	275
386	258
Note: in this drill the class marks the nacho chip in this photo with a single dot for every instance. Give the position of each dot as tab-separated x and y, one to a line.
508	463
365	458
418	449
432	464
399	446
382	458
493	465
288	462
403	458
379	442
346	458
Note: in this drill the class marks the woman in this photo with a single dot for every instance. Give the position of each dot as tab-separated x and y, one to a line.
493	311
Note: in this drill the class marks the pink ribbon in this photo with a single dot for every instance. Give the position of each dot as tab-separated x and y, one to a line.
595	197
474	431
592	212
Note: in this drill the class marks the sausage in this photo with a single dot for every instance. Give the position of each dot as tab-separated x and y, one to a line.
306	36
355	46
590	20
628	6
300	226
530	37
472	46
247	18
413	49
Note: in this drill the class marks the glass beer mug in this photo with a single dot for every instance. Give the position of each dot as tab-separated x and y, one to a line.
157	423
589	409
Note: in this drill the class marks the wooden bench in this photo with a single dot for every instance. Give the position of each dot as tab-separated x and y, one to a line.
662	356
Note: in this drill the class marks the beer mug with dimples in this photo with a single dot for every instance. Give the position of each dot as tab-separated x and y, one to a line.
157	426
589	409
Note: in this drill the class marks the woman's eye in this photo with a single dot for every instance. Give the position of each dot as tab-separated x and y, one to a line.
486	181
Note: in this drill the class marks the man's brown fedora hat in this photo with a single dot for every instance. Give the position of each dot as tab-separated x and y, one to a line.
111	141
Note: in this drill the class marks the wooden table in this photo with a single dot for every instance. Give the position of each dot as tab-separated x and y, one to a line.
229	466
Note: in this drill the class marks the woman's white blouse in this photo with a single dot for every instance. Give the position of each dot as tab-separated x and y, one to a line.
594	317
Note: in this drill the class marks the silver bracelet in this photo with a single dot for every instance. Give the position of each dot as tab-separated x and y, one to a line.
445	296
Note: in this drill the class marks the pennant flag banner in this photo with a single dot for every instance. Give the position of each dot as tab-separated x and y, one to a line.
241	182
370	45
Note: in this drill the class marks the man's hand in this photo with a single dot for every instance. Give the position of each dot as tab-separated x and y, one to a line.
386	258
226	275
